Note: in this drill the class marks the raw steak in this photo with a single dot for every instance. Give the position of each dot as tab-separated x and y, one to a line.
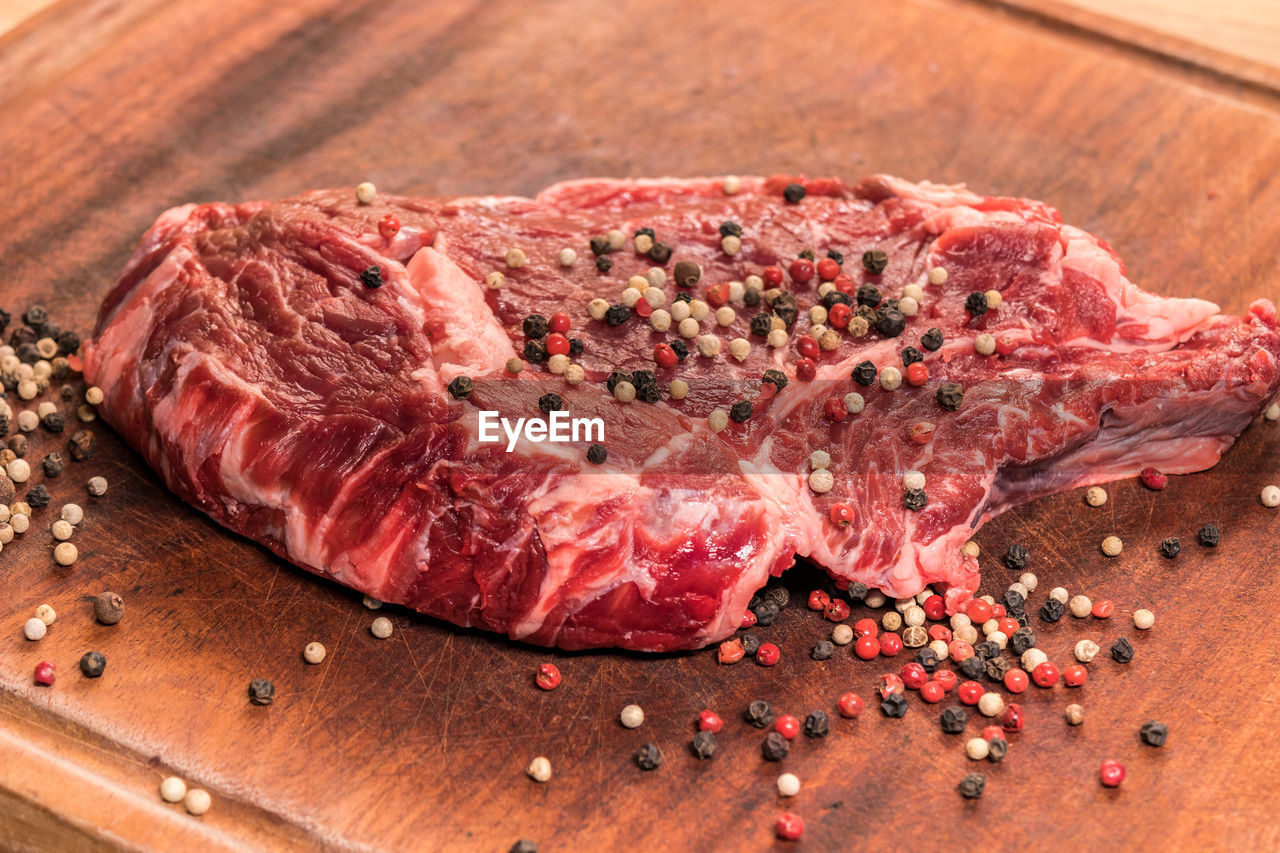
245	355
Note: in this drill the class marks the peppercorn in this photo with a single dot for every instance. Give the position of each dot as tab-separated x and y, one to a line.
53	422
1022	640
750	643
761	325
680	348
950	395
972	785
786	308
874	261
864	373
931	340
1209	536
550	402
52	464
765	612
823	650
915	499
92	664
759	714
1111	773
372	277
775	747
82	445
461	387
910	356
1052	610
703	745
660	253
261	692
928	660
1122	650
108	608
38	496
686	274
649	756
1170	547
976	303
1014	601
596	454
741	411
817	724
954	719
523	846
768	654
1154	733
973	667
793	193
996	668
890	322
868	295
894	705
535	351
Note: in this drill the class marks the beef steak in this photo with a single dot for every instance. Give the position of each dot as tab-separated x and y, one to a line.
247	354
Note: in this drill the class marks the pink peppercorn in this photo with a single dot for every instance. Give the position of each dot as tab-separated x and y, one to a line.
807	346
1075	675
839	315
1112	773
1045	675
837	610
977	610
940	632
865	628
1012	719
1016	681
801	270
946	678
932	692
773	275
970	692
914	676
989	732
547	676
1102	609
787	726
806	370
559	322
748	620
828	269
768	654
935	607
388	226
890	644
835	409
889	685
867	647
709	721
818	600
731	651
789	826
849	705
959	651
44	673
1153	479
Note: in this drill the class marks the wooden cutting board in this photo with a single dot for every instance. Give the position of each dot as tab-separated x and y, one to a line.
113	112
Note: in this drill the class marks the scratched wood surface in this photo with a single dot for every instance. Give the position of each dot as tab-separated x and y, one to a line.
113	112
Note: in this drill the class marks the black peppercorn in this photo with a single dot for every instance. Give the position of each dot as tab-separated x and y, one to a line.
997	749
6	490
759	714
1022	641
780	595
37	496
985	650
1122	650
928	659
680	348
683	296
931	340
648	394
765	612
740	412
647	232
523	846
550	403
1209	536
92	664
36	317
54	422
643	378
954	719
68	342
604	263
751	297
4	424
1014	601
910	355
996	668
793	193
915	499
4	320
599	244
20	336
686	274
596	454
874	261
823	650
971	785
976	303
617	315
950	395
774	747
973	668
1169	548
890	322
372	277
776	378
649	757
869	295
535	352
703	745
18	444
52	464
1154	733
1052	610
750	643
28	354
857	591
864	373
67	393
535	326
785	307
729	228
817	724
576	346
834	298
806	254
1016	556
262	692
838	257
108	608
761	325
894	705
461	387
660	253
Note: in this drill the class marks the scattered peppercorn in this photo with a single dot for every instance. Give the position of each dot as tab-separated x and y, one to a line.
1170	547
823	650
1122	650
596	454
976	303
973	667
1111	773
616	315
817	724
108	608
550	402
950	395
874	261
649	756
535	326
1052	610
52	464
972	785
793	193
931	340
890	322
92	664
261	692
741	411
997	749
750	643
82	445
547	676
1154	733
954	719
1209	536
461	387
774	747
372	277
54	422
915	499
894	705
759	714
1022	641
703	744
38	496
1074	714
660	253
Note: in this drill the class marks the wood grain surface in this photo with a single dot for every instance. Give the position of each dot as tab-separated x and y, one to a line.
114	112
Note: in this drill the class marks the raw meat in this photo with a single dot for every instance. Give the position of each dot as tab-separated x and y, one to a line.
243	356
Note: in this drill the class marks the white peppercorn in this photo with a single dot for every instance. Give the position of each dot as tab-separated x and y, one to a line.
72	514
984	344
939	648
539	769
1270	496
717	420
597	308
1095	496
937	275
732	185
842	635
890	378
1029	581
1020	588
970	549
97	486
968	634
1143	619
698	309
496	280
624	392
1080	606
875	598
46	614
1060	594
1112	546
1032	658
61	530
688	328
314	652
990	704
19	470
679	311
977	748
777	338
19	522
788	785
708	345
567	257
197	801
914	291
1086	650
632	716
1074	714
913	480
960	620
371	603
731	244
913	616
34	629
365	193
891	620
854	402
381	628
822	481
1000	638
515	258
660	320
678	389
819	459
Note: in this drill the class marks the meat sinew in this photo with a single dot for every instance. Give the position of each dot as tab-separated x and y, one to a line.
245	354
